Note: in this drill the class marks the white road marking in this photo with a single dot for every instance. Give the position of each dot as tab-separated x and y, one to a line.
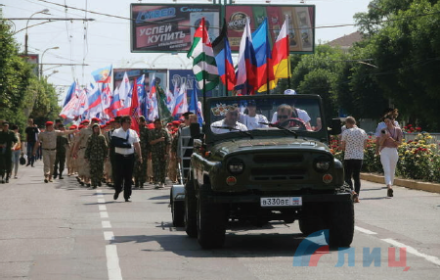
363	230
108	235
114	271
102	208
413	251
103	215
101	200
106	224
98	191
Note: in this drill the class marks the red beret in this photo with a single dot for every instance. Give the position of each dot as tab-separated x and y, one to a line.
81	126
49	123
111	121
86	121
176	123
73	127
103	126
150	126
96	120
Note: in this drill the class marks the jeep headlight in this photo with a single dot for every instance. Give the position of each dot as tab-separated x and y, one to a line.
235	166
322	164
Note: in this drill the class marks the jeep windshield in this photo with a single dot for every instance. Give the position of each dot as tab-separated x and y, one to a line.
245	116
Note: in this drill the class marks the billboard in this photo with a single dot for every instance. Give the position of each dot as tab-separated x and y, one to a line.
170	28
161	77
301	30
33	60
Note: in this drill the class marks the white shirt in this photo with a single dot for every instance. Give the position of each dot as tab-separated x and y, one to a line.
253	122
354	139
302	114
238	126
381	126
132	138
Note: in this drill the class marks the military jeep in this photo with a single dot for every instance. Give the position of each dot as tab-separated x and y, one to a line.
263	158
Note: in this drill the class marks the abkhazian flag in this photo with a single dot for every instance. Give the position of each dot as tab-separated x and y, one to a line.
204	65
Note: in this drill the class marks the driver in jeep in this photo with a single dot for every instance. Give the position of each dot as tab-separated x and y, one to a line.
288	116
229	123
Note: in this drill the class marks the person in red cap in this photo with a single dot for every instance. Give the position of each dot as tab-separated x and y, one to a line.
79	152
48	141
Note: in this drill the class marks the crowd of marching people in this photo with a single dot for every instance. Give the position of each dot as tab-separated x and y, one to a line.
96	153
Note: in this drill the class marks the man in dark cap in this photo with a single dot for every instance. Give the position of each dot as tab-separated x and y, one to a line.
62	145
7	140
140	168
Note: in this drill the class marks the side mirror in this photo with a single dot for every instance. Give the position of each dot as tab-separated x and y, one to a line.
336	126
194	128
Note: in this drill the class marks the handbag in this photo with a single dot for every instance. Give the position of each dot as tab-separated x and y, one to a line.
22	160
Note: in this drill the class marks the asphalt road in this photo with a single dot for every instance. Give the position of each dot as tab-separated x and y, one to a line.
60	231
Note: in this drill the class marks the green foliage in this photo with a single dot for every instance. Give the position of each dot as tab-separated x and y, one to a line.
20	91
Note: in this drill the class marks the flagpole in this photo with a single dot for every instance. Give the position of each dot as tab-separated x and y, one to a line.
204	80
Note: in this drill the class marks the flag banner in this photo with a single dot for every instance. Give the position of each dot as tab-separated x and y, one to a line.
84	104
301	29
161	28
103	75
247	65
94	99
69	111
223	58
151	109
194	106
280	58
204	65
164	112
134	112
181	103
69	93
263	55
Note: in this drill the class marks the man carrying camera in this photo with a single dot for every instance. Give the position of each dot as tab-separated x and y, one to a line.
126	142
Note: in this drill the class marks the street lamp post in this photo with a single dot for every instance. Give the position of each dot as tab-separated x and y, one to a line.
46	12
53	72
41	63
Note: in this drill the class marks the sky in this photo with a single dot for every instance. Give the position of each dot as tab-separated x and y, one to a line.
106	40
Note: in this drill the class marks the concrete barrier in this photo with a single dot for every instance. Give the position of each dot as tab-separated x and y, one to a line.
411	184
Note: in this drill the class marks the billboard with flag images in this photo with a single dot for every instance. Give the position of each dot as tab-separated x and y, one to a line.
170	28
301	30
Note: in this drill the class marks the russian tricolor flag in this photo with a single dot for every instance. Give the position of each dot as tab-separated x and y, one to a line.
223	58
247	64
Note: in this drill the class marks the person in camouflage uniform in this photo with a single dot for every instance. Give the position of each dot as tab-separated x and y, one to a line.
62	144
140	169
160	141
96	152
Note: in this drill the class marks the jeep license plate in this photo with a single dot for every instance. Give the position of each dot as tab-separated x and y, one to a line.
280	201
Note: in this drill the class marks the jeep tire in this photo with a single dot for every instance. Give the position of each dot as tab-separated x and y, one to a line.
313	218
177	211
341	224
211	224
190	213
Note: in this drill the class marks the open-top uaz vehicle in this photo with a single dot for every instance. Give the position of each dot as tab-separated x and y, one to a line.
263	158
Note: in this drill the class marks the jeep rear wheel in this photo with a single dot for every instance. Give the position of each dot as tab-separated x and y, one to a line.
341	224
190	214
177	210
211	224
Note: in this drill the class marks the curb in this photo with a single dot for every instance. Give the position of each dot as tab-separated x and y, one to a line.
411	184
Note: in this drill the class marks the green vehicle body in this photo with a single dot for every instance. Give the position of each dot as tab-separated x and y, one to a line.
276	165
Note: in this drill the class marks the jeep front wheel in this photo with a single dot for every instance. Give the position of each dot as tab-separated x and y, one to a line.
341	224
211	224
312	219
